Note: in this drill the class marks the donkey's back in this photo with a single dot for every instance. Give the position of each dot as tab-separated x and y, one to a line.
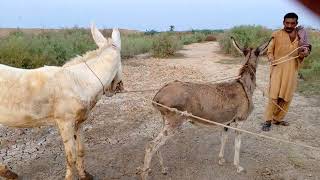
26	96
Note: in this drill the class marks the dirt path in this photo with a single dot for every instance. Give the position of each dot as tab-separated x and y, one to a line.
119	128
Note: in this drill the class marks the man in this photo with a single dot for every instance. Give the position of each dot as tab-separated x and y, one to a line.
283	76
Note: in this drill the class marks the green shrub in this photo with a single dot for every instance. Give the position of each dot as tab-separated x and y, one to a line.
165	45
246	36
55	48
48	48
192	38
311	66
135	44
151	32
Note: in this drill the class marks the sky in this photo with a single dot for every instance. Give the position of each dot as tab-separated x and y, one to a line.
151	14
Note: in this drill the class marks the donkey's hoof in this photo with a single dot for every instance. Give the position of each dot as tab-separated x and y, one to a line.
87	176
240	170
140	170
164	170
143	173
221	161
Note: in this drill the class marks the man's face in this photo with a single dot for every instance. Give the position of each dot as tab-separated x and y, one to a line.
290	24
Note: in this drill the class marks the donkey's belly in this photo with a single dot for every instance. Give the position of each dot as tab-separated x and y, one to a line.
220	117
23	119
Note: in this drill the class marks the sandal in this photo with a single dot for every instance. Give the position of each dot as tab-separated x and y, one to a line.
282	123
266	126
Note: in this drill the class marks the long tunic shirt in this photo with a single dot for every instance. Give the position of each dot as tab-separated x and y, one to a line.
283	77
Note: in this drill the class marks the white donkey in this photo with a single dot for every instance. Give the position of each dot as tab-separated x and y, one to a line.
61	96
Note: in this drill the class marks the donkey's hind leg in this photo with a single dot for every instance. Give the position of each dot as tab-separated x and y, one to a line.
164	170
7	173
153	147
171	125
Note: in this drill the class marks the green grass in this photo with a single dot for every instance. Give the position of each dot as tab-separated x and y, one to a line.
246	36
55	48
192	38
165	45
311	68
49	48
135	44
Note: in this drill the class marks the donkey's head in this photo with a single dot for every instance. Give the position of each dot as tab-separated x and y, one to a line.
248	69
251	54
112	46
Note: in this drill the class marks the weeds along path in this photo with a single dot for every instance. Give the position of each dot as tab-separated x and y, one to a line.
119	127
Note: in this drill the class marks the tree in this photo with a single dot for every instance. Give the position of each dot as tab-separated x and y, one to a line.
171	28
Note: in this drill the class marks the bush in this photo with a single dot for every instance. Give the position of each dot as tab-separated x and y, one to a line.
210	38
246	36
311	66
48	48
55	48
207	31
135	44
192	38
151	32
165	45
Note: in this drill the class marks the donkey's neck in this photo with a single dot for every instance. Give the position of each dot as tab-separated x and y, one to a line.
248	77
105	66
96	73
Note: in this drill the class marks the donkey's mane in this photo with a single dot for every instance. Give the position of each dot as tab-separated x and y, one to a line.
88	55
247	67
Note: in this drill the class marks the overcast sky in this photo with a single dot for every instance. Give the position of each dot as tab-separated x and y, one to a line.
150	14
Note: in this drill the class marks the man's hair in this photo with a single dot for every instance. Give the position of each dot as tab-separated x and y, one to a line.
291	15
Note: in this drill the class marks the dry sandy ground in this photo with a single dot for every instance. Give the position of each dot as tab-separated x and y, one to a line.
119	128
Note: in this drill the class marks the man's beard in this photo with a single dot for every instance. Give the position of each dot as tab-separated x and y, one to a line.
288	30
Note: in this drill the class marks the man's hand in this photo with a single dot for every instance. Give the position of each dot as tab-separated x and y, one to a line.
303	53
270	59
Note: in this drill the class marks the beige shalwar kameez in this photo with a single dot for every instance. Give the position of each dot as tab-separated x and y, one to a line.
283	77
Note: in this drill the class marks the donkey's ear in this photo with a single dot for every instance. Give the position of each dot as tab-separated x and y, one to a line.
235	44
116	39
98	38
263	48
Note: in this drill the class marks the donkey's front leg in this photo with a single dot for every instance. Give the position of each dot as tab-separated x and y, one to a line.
83	175
67	131
237	145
